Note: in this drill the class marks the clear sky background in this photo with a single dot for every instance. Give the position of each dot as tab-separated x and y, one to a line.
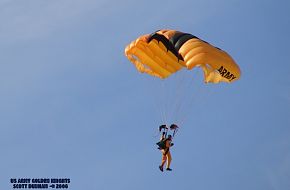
73	106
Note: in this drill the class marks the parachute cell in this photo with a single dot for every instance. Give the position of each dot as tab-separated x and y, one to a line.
165	52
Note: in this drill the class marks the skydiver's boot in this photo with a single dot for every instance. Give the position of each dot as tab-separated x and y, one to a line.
168	169
161	168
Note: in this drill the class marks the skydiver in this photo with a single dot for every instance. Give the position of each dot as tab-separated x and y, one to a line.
166	156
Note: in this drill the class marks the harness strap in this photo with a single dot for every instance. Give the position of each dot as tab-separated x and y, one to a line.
165	153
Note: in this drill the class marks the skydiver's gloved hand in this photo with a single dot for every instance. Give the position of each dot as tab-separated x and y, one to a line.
162	127
163	133
171	144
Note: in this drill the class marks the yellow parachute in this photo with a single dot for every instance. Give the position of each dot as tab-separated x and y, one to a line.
165	52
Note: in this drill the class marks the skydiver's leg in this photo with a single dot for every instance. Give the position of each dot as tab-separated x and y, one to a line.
164	158
168	155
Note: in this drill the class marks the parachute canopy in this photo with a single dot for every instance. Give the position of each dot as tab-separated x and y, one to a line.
165	52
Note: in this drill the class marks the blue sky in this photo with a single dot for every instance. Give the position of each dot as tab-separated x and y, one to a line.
72	105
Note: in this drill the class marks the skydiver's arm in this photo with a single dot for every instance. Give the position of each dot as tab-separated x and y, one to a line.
168	144
162	136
